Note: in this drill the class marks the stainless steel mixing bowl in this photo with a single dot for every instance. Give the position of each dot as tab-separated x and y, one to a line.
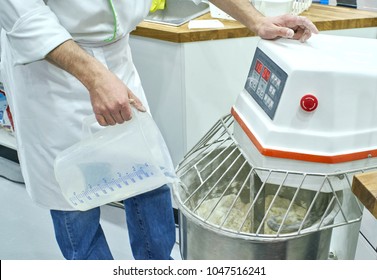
229	209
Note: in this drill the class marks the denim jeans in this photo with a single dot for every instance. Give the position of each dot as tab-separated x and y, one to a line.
150	222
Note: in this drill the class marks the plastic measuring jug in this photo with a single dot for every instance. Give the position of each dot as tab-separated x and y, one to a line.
114	163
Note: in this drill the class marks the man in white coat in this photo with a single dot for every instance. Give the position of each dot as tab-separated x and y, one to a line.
62	60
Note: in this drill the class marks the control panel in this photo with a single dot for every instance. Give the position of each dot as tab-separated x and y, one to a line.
265	82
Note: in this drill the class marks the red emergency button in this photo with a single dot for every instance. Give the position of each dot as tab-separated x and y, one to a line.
309	102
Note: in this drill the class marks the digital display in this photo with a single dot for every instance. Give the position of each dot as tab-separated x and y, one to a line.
266	74
265	82
258	66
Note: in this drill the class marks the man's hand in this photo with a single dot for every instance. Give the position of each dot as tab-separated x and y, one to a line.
288	26
110	97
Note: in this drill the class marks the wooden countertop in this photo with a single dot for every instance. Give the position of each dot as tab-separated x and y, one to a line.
323	16
364	186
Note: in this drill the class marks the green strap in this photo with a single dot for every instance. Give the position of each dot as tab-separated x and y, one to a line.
156	5
115	22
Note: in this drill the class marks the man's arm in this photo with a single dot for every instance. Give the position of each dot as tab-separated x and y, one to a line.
289	26
109	96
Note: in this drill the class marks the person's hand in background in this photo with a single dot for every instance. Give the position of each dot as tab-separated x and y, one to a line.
288	26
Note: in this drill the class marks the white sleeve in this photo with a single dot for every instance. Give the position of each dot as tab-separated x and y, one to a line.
31	28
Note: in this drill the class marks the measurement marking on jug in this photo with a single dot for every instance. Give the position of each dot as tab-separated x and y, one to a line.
108	185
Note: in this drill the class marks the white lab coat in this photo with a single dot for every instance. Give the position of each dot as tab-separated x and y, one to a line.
47	103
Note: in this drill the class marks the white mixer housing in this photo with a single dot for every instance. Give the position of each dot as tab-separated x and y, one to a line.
310	106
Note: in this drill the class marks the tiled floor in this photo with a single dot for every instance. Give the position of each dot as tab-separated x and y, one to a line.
26	230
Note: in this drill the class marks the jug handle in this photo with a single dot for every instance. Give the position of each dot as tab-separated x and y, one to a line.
91	120
86	124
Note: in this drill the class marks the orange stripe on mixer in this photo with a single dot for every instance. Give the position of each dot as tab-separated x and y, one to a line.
301	156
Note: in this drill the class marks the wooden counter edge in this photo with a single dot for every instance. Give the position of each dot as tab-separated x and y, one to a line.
364	187
323	16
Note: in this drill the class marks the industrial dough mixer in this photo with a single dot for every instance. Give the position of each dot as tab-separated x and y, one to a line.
272	180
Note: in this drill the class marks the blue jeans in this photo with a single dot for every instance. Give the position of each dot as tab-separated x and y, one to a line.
150	222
